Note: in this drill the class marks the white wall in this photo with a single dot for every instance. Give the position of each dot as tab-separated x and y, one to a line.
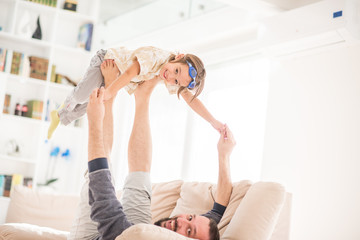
312	141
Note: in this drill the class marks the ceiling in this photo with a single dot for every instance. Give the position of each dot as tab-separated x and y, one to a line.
112	8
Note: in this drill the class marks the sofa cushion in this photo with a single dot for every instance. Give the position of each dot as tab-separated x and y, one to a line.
23	231
164	197
42	209
238	192
258	212
198	198
195	198
150	232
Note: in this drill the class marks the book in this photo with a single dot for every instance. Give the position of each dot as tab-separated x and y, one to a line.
7	102
3	54
17	179
28	182
85	36
2	185
70	5
38	67
16	63
35	109
7	185
53	73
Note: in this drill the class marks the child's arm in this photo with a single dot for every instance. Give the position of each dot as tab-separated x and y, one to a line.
123	80
200	109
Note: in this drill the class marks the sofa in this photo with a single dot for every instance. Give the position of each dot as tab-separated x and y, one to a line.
256	211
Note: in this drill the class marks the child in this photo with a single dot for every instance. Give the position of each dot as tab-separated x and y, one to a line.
183	74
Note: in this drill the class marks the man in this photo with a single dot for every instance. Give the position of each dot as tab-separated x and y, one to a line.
113	217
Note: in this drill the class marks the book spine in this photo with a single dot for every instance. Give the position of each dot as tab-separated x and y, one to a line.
28	182
3	54
16	180
15	63
90	27
7	102
2	185
41	107
30	105
7	185
53	72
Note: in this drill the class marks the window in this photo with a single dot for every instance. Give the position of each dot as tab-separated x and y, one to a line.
185	145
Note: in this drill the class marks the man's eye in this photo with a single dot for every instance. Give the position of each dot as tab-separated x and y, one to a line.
176	81
176	71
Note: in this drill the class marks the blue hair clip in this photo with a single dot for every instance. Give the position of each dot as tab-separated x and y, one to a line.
193	74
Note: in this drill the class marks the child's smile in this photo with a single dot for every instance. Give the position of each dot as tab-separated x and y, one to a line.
175	74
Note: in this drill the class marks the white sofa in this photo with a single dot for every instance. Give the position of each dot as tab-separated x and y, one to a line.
256	211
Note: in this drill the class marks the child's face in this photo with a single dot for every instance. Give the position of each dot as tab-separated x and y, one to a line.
175	74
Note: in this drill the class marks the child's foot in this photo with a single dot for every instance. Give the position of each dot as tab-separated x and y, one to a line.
54	122
110	71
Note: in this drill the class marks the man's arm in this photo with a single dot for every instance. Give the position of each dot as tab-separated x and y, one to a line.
197	106
225	146
106	210
224	187
95	112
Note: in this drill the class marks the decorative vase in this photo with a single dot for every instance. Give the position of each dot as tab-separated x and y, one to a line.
37	34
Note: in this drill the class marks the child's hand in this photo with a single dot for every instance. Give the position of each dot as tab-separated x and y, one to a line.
219	126
226	143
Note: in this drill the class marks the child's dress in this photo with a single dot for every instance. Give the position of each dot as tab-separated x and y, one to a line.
150	59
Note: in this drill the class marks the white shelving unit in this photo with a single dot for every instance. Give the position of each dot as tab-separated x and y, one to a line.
60	30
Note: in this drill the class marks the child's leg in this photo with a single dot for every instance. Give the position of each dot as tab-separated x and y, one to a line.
109	71
91	80
75	104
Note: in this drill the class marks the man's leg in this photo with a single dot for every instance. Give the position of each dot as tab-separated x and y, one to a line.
83	227
136	197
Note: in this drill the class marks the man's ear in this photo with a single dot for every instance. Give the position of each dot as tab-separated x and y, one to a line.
181	55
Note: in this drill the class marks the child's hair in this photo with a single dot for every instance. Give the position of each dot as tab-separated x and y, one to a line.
200	69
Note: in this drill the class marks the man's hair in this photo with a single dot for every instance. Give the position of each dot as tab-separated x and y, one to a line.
214	231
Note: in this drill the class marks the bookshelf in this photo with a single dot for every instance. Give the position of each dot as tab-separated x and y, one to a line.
58	47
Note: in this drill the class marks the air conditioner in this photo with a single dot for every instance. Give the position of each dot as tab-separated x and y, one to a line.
323	24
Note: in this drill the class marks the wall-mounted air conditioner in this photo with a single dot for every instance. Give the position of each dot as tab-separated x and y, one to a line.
322	24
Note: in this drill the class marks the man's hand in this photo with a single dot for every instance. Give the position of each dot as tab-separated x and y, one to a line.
226	142
96	109
225	146
145	88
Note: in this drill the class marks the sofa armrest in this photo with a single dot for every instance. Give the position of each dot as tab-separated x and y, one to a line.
42	209
256	216
24	231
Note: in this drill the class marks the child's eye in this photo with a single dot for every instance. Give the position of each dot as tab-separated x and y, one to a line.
188	231
176	71
190	218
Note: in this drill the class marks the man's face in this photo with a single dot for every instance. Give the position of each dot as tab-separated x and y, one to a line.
193	226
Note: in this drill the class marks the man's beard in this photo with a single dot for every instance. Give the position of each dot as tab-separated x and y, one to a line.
159	223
